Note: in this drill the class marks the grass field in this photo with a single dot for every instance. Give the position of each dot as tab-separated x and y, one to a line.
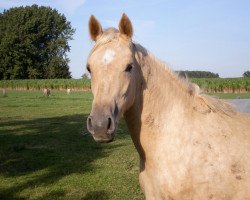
45	152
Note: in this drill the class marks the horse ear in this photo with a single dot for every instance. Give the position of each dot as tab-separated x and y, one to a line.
95	28
125	26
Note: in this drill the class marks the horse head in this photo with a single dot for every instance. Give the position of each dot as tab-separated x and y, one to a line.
113	69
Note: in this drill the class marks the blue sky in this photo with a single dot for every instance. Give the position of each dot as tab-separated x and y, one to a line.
211	35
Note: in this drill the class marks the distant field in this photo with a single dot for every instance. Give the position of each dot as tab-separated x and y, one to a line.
38	84
225	85
46	153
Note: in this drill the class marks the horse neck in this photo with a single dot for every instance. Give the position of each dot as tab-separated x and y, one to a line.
164	91
159	93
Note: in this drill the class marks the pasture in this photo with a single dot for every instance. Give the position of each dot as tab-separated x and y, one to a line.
46	153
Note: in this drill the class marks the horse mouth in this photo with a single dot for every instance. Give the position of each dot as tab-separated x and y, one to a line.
109	137
104	140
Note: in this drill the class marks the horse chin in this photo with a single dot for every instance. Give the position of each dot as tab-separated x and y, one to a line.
104	140
108	138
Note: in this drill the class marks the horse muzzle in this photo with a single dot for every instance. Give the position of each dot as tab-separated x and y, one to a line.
101	127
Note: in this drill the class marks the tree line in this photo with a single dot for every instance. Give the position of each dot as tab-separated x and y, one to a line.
197	74
204	74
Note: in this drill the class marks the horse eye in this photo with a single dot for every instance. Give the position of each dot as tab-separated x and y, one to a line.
88	68
129	68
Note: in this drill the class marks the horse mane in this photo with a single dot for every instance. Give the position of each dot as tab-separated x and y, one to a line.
201	102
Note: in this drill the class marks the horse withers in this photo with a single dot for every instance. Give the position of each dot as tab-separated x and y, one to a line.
191	146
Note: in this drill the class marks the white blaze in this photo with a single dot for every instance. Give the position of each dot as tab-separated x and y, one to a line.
108	56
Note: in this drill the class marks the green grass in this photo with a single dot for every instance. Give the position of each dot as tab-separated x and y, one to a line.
45	152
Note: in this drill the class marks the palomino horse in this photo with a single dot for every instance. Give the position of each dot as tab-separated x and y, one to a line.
191	146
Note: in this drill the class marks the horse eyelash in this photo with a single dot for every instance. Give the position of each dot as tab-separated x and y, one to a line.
129	68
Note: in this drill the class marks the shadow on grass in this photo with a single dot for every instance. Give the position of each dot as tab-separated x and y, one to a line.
43	151
100	195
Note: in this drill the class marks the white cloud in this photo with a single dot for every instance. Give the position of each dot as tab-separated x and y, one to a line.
67	6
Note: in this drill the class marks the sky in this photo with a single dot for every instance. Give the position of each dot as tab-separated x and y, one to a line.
204	35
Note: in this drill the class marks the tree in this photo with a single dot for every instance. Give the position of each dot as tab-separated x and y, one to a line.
246	74
34	43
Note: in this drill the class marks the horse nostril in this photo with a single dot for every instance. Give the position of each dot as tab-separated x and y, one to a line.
109	123
99	125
